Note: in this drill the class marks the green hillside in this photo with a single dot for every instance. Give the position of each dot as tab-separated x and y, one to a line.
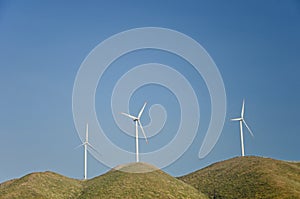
242	177
114	184
155	184
248	177
41	185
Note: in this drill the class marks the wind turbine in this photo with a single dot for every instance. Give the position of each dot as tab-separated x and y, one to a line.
137	123
86	144
242	120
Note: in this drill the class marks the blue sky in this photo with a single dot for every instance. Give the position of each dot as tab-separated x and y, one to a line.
255	46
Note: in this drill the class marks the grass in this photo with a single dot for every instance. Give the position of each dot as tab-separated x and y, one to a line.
248	177
242	177
155	184
41	185
114	184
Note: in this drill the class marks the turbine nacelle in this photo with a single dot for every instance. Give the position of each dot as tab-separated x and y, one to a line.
237	119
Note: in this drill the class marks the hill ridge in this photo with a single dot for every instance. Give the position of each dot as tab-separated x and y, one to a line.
116	183
248	177
239	177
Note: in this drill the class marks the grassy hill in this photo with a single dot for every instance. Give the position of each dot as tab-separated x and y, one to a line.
114	184
242	177
248	177
155	184
41	185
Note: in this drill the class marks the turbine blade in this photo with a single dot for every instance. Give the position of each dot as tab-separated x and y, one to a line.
143	131
236	119
243	109
79	146
142	110
130	116
92	147
248	128
87	132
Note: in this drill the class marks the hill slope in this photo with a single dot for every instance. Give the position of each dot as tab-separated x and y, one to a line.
41	185
155	184
248	177
114	184
243	177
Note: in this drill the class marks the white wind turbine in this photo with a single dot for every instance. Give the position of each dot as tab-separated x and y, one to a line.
137	123
86	144
242	120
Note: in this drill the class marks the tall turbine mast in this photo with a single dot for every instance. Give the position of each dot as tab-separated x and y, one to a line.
86	144
242	121
85	150
137	124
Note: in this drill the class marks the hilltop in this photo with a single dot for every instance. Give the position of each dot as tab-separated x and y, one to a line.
41	185
114	184
248	177
155	184
241	177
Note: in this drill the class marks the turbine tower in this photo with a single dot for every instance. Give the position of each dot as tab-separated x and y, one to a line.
86	144
137	123
242	121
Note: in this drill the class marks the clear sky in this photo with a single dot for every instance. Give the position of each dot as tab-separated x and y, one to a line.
255	45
